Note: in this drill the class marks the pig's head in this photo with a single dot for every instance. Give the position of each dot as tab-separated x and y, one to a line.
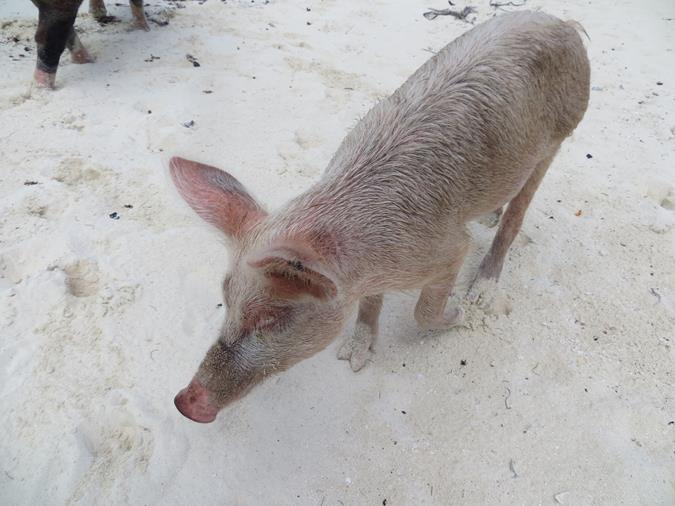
281	296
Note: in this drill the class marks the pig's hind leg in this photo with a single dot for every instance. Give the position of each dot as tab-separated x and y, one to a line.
97	10
430	312
511	221
78	53
139	15
357	349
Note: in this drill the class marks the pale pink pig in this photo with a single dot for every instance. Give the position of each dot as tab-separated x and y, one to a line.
474	129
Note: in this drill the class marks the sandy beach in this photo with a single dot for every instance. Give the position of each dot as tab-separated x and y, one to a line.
558	389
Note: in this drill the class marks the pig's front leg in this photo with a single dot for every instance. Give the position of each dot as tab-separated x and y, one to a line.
430	310
53	32
357	348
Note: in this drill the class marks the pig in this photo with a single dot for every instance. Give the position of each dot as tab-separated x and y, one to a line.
474	129
56	31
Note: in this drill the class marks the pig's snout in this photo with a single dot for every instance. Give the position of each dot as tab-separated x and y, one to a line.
194	403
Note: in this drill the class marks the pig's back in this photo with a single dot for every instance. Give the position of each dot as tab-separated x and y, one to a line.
459	133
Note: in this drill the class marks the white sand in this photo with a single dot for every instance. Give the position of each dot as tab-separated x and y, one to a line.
567	395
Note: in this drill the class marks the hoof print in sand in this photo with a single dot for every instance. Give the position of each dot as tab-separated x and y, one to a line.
663	195
73	171
82	278
668	201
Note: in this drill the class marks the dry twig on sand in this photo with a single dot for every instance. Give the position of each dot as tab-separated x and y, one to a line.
461	15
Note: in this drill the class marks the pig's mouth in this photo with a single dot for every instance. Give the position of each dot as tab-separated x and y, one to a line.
194	402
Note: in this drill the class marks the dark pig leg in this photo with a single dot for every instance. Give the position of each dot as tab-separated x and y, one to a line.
55	24
139	15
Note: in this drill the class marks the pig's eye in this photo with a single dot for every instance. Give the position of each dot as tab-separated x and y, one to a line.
266	319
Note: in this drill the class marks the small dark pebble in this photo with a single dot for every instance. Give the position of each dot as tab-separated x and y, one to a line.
310	10
114	216
589	156
207	92
384	502
219	305
403	412
189	124
672	422
403	364
29	183
128	206
462	362
659	83
149	111
192	60
308	23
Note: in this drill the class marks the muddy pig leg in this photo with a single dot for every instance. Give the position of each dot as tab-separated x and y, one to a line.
139	15
78	53
430	310
356	349
97	9
511	221
55	22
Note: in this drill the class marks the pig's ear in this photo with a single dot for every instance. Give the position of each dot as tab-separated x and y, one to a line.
216	196
292	274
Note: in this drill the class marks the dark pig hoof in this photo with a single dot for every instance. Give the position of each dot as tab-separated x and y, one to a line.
44	79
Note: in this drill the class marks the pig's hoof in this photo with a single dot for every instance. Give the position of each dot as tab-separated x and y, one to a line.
140	24
451	318
82	56
356	349
44	79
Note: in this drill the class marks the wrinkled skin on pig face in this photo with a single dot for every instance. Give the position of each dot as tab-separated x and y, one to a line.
280	308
